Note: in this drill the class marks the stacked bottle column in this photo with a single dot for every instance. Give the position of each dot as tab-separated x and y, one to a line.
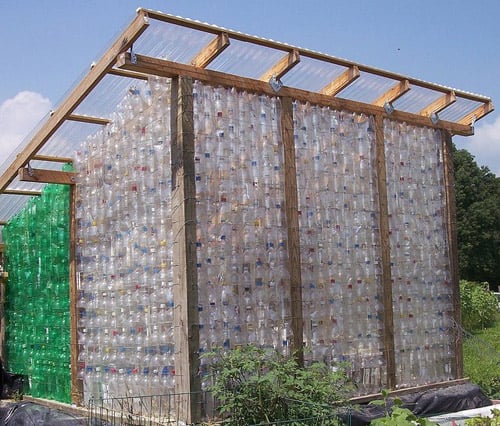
37	295
419	254
241	244
126	344
339	239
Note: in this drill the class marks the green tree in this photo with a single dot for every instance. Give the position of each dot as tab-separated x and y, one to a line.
478	220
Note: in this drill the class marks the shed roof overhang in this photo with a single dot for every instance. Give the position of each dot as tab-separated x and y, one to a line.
159	44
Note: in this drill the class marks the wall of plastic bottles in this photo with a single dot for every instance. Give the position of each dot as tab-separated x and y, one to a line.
125	258
420	261
339	240
124	250
37	341
242	236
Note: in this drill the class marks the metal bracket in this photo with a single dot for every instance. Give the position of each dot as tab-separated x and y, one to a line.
133	57
31	172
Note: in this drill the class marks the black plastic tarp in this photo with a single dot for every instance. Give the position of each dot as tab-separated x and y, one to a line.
427	403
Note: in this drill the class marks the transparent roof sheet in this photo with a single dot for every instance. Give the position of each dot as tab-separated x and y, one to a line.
180	40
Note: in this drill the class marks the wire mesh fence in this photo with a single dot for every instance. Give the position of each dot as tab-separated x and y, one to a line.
156	410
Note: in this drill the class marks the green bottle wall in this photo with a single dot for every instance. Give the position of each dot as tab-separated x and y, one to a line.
37	338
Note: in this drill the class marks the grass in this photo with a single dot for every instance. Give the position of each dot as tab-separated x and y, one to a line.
482	359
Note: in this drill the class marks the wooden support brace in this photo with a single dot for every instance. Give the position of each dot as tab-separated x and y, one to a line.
341	82
393	93
46	176
282	67
22	192
50	158
439	104
211	51
89	119
128	74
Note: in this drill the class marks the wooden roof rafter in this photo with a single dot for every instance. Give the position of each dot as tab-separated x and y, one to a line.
349	76
393	94
279	69
475	115
439	104
210	52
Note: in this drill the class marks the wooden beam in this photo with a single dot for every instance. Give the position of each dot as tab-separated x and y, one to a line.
279	69
394	93
451	235
128	74
292	220
22	192
86	85
53	159
211	51
46	176
3	222
164	68
406	391
478	113
439	104
76	384
350	75
89	119
388	313
186	317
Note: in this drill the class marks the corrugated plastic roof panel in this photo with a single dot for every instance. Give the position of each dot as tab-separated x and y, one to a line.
180	40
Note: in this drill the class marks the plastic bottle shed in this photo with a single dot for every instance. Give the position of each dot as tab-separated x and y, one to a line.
214	208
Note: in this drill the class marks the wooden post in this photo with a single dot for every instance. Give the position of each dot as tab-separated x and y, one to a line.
186	322
292	218
3	278
451	234
76	385
388	317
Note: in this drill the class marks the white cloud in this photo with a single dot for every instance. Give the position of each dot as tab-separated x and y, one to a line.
485	145
18	116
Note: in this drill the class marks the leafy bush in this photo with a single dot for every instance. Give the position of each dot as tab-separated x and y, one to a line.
258	386
478	305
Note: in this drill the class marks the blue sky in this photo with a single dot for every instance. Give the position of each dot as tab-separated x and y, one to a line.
47	45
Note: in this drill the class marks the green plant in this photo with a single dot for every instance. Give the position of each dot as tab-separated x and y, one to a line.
396	415
485	421
258	386
478	305
480	354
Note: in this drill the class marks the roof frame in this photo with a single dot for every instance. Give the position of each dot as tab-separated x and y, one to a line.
116	61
